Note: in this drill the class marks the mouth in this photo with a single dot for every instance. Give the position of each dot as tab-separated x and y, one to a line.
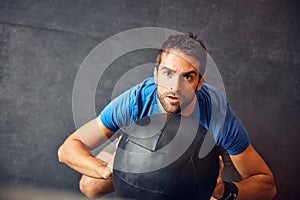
173	99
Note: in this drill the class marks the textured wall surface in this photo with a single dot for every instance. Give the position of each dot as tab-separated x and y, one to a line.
255	45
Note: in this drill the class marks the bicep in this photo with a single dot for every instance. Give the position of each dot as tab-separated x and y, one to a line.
249	163
93	133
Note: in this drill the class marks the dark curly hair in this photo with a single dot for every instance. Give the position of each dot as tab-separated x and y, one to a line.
189	44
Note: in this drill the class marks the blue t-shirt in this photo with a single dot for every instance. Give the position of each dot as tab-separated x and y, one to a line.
213	113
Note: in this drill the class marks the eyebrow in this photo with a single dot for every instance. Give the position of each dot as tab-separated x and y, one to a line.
189	73
183	74
167	68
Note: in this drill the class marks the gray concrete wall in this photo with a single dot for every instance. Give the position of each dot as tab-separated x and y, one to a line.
255	45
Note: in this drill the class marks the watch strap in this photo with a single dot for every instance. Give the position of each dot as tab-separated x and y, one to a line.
231	191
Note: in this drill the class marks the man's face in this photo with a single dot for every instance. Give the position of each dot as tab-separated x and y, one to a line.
177	80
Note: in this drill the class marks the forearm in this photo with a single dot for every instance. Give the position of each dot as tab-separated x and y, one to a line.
260	186
74	154
257	179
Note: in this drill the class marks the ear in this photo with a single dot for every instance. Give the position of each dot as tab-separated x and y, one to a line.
155	75
202	80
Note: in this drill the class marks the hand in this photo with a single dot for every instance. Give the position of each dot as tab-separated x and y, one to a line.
109	167
107	173
107	159
219	189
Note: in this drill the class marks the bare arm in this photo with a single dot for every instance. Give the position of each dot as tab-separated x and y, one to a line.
75	153
258	181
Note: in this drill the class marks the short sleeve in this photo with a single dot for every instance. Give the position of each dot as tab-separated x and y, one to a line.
226	128
117	113
234	137
131	105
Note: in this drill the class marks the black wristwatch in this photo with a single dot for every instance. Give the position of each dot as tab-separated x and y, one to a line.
231	191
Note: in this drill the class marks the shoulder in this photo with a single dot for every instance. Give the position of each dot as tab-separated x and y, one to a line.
213	98
143	90
210	92
139	90
148	85
126	108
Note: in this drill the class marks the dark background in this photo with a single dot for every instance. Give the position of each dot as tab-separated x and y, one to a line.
42	44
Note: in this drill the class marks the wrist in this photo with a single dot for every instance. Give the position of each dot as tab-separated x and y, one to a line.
100	169
231	191
104	170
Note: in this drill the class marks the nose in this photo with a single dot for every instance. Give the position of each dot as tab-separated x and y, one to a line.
176	83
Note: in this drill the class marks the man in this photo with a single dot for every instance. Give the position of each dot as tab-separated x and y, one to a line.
178	86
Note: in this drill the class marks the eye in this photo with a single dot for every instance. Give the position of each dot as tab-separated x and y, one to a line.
188	77
168	73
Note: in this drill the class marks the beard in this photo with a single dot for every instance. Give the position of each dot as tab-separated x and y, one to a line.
173	107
